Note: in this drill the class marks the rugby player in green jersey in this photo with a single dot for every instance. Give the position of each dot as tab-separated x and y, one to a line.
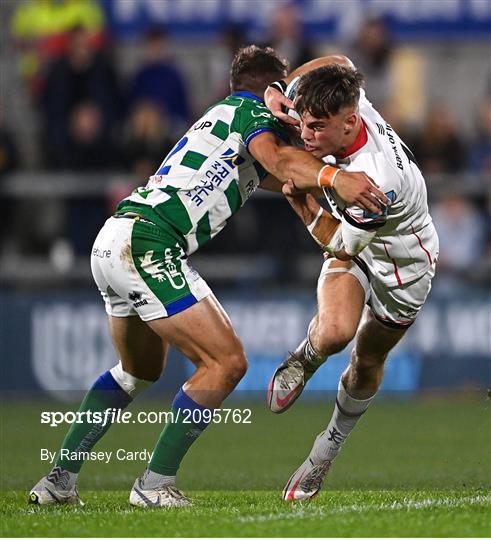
155	299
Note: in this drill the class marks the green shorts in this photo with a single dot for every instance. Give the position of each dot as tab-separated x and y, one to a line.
141	269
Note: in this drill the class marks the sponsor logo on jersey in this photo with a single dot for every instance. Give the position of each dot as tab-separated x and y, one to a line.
262	115
214	176
232	158
391	195
390	135
165	270
202	125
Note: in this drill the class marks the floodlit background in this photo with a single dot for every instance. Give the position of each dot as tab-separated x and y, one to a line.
93	96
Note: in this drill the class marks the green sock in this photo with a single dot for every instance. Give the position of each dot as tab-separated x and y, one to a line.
106	393
178	435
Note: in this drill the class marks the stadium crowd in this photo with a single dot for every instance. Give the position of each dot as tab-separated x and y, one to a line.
95	119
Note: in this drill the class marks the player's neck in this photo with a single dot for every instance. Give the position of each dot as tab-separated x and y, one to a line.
355	140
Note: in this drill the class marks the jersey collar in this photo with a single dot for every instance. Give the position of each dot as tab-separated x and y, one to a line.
249	95
359	142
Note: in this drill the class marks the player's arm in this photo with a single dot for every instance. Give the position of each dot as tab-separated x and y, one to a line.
321	225
287	162
341	239
274	98
271	183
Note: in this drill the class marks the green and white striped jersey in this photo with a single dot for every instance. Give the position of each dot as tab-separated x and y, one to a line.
209	174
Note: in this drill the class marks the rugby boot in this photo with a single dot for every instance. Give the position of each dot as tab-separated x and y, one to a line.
162	497
307	480
52	489
290	378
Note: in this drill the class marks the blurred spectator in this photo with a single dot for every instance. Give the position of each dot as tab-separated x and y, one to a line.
89	147
462	232
406	132
486	266
480	149
287	37
159	80
146	140
81	105
145	143
440	147
232	37
372	55
41	30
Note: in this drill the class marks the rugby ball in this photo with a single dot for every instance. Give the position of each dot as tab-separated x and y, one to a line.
290	93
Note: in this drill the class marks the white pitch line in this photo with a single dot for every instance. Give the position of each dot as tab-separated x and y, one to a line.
307	512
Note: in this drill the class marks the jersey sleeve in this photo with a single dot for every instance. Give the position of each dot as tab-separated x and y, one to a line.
257	120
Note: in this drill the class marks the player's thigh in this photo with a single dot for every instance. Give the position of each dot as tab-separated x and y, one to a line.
142	352
202	332
143	270
374	340
341	296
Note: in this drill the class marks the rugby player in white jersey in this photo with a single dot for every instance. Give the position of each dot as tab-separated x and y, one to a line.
155	299
384	262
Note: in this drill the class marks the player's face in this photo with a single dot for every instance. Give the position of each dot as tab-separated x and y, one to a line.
327	135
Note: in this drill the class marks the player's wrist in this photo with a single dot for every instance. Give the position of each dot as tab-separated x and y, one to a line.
327	176
280	85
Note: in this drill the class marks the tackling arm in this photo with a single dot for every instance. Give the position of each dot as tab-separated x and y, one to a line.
271	183
307	172
286	162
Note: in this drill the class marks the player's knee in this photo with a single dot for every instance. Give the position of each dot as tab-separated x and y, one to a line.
235	366
130	383
332	339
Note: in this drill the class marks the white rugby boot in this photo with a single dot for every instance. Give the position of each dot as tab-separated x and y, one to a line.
307	480
290	378
163	497
52	489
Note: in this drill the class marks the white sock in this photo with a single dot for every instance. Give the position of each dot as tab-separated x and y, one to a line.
62	479
130	384
347	412
153	480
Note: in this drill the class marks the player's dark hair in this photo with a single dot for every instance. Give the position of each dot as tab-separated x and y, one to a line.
322	92
254	68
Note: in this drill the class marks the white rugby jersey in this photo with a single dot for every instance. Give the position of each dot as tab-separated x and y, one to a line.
405	244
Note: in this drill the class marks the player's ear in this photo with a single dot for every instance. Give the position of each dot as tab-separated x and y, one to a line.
349	122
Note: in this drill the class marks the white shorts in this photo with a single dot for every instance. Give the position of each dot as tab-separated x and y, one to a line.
142	270
395	307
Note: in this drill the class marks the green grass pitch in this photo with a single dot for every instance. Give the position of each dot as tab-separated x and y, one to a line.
411	468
